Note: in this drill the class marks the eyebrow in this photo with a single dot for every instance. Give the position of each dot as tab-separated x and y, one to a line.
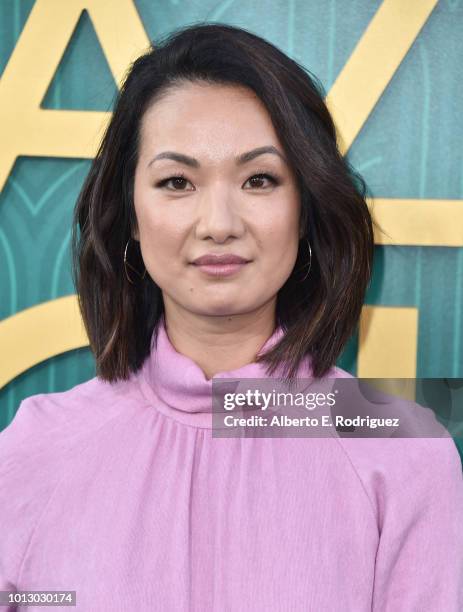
239	160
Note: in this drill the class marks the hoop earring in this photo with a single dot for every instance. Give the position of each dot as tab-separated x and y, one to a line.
310	261
126	263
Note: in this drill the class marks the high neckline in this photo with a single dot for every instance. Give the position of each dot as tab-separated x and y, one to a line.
178	387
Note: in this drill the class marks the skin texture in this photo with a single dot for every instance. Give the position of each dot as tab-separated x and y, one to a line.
220	323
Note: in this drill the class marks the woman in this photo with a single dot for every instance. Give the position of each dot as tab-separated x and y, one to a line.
220	146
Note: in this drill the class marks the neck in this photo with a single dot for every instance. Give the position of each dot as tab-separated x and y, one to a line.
177	386
219	343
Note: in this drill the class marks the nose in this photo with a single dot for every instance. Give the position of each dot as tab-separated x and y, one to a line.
218	214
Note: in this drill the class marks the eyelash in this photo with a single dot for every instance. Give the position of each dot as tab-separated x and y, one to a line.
273	179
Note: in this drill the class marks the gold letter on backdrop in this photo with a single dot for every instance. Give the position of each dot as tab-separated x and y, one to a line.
58	133
28	129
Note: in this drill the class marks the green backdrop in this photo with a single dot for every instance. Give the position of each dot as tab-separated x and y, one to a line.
410	147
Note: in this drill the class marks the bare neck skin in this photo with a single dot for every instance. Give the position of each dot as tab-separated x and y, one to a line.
220	343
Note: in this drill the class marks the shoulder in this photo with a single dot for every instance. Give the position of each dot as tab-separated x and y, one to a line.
48	425
411	473
85	406
37	450
404	464
410	462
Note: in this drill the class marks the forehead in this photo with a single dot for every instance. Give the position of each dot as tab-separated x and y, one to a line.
208	120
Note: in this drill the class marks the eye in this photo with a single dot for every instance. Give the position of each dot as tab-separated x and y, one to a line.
179	180
256	179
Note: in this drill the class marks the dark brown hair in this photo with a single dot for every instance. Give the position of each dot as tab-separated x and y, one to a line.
318	314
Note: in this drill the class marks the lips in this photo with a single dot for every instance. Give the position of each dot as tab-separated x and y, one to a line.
219	260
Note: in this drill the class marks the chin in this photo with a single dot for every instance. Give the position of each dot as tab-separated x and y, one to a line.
222	309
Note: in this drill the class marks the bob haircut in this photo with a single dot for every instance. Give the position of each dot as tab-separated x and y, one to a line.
318	314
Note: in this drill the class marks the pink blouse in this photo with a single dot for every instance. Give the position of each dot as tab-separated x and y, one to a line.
120	493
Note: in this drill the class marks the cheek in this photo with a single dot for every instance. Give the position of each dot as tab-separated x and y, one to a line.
158	242
280	239
282	254
161	243
153	229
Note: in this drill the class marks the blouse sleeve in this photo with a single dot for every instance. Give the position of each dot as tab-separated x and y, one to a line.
419	561
29	472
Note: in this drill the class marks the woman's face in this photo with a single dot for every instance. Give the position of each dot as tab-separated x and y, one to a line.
220	205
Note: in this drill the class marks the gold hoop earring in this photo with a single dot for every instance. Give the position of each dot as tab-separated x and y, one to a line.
310	261
126	263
